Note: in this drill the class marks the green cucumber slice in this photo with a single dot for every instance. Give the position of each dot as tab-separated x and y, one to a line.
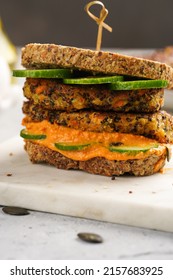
131	149
71	147
26	135
93	80
139	84
43	73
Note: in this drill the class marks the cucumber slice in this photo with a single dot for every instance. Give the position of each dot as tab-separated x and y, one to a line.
44	73
26	135
93	80
131	149
139	84
71	147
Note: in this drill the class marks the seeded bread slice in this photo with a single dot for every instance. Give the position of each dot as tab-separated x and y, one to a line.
98	165
53	56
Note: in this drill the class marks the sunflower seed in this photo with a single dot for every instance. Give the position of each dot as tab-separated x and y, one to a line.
12	210
90	237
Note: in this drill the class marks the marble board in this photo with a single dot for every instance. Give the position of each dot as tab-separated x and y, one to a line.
137	201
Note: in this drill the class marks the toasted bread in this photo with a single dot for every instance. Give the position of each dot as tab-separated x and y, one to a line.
54	56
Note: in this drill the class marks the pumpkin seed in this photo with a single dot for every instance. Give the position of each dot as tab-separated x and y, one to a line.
12	210
90	237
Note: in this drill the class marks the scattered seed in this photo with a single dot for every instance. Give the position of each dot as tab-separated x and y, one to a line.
9	174
10	154
130	192
90	237
113	177
12	210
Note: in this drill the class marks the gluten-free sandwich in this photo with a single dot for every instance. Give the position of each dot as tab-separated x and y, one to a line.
95	111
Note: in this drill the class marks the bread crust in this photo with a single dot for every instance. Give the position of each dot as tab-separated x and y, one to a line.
53	56
164	55
100	166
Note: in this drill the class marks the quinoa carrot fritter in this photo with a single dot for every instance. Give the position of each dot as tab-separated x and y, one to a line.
54	95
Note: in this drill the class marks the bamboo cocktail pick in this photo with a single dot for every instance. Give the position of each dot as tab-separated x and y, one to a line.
99	21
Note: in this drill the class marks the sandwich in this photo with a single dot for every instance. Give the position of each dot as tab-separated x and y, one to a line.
95	111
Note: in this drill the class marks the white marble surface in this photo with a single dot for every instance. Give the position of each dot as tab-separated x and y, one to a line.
52	236
143	201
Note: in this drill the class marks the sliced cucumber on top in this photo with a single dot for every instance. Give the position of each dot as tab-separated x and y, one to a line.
43	73
27	135
131	149
93	80
138	84
71	146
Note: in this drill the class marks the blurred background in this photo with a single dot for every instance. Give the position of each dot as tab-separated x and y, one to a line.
135	23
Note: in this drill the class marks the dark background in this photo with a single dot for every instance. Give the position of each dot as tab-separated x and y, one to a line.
135	23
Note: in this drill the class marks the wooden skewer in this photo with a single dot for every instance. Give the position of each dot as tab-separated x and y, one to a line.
99	21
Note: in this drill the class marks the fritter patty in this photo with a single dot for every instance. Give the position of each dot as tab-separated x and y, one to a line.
54	95
158	126
99	166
